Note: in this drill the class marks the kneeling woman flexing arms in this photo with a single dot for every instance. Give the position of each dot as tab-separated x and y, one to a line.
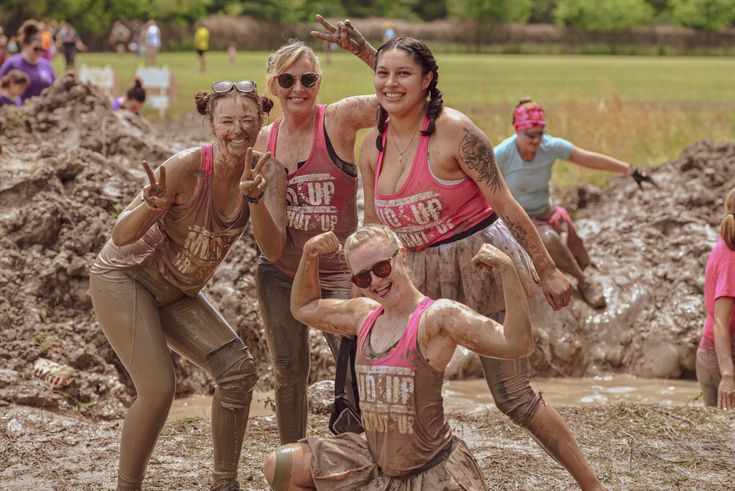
405	340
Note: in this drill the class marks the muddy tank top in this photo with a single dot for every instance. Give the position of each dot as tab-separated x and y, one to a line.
401	400
425	210
320	197
187	243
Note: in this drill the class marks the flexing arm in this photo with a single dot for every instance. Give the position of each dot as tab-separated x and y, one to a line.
268	215
153	202
476	158
594	160
368	156
342	317
723	348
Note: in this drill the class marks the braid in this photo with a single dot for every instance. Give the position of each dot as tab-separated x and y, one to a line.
382	119
436	105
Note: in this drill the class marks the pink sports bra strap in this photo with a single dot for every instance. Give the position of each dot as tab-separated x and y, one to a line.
273	136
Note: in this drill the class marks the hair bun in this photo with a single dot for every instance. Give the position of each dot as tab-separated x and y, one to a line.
202	100
138	83
267	104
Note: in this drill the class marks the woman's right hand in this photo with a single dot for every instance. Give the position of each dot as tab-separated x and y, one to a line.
343	34
154	193
322	245
726	393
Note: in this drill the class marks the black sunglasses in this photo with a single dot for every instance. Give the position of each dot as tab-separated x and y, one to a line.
534	134
39	49
224	86
380	269
308	80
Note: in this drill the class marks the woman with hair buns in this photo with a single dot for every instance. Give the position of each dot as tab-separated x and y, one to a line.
430	174
133	100
29	60
315	142
716	353
146	282
526	160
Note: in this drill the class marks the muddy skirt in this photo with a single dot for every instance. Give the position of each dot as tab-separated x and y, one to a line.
446	271
344	463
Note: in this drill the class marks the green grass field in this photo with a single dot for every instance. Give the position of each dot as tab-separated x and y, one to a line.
641	109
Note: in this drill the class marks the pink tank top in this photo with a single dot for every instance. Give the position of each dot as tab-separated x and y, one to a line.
187	243
320	197
426	211
401	400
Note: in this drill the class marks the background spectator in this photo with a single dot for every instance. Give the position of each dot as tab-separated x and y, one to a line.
29	61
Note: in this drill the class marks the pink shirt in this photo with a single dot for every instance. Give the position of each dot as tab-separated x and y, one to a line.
320	197
719	281
427	210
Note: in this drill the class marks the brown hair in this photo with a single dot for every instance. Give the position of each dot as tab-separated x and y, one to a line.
28	32
371	231
14	77
727	227
284	57
207	101
524	101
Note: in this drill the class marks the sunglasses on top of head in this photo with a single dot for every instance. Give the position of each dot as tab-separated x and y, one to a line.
381	269
225	86
287	80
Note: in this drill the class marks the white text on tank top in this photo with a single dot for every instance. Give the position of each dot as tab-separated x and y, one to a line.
309	202
386	394
411	216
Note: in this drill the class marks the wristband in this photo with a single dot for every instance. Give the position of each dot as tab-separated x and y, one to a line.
255	199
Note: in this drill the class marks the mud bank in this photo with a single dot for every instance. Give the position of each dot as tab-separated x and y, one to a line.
630	447
68	166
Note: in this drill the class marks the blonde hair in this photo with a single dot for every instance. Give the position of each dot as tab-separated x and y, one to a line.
284	57
367	232
727	227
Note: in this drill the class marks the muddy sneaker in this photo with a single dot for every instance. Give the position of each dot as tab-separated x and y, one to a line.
591	292
56	374
226	486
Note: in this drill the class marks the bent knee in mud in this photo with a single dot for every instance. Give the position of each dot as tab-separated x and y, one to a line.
549	237
234	373
520	406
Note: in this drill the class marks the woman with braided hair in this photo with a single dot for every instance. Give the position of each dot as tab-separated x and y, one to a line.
430	174
526	160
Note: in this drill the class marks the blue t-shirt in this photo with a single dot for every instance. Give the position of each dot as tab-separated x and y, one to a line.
529	181
41	75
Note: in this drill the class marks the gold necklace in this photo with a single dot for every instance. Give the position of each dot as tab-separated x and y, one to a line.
402	153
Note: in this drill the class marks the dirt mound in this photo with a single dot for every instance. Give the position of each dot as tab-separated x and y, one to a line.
68	166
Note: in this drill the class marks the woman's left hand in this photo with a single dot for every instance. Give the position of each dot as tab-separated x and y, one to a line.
343	34
252	181
726	393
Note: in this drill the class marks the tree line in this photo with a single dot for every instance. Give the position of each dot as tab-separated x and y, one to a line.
96	16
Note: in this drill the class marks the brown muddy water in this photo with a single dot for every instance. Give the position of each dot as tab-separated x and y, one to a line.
473	396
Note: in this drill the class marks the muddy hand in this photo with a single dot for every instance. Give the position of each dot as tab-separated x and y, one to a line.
557	289
322	245
252	181
154	193
726	393
640	176
343	34
490	257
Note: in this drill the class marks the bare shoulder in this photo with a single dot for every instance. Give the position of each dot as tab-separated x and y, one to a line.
261	143
368	144
185	162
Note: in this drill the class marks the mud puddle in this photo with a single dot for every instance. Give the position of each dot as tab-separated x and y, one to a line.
199	406
473	395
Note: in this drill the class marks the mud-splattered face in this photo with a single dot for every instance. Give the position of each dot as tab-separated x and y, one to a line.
297	98
529	140
386	290
235	123
400	82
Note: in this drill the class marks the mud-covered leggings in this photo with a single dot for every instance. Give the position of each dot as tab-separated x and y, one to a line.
708	374
288	343
142	315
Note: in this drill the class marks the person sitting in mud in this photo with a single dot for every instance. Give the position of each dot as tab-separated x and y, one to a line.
133	100
405	341
526	160
146	282
716	352
12	86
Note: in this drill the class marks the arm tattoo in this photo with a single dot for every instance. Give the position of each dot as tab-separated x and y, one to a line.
477	154
519	232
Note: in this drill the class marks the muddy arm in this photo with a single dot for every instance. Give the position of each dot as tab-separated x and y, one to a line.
723	349
268	216
368	155
594	160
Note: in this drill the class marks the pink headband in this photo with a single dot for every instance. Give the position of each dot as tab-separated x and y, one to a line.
525	117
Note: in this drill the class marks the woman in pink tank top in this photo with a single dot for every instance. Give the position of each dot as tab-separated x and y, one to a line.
146	282
315	142
405	341
430	174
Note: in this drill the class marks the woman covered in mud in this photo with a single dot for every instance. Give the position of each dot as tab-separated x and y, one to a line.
405	341
145	283
429	173
716	353
30	61
526	160
315	142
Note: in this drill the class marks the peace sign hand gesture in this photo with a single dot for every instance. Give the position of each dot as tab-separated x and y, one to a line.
344	34
154	193
252	181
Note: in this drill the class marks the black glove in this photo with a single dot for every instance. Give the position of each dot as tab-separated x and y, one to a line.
640	177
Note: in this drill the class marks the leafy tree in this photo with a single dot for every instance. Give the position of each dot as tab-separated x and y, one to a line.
491	11
603	16
703	14
542	11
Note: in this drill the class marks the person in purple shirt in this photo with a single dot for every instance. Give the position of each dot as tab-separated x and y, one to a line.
39	71
12	86
133	100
